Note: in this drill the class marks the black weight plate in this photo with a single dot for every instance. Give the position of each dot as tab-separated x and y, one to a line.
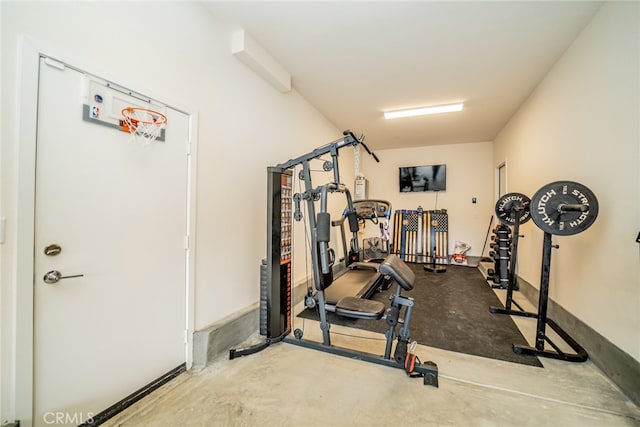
506	205
547	215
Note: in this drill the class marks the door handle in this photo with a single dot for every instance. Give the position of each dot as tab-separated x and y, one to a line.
54	276
52	250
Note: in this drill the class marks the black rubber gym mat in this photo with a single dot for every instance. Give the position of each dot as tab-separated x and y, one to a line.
451	312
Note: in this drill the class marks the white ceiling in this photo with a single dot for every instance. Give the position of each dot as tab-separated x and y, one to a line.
353	60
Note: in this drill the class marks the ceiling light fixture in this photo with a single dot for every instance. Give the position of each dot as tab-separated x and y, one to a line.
437	109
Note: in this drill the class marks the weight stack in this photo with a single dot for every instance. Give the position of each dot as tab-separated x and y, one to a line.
264	316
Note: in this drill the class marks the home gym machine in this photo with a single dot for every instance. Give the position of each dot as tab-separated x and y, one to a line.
276	277
560	208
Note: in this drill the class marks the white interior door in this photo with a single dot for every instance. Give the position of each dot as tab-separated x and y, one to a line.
118	211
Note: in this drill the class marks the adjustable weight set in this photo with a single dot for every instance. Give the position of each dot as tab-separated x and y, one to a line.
560	208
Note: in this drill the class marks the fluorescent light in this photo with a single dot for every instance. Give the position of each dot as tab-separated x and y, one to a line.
437	109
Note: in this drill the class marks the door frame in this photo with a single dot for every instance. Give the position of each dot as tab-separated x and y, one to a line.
29	54
498	179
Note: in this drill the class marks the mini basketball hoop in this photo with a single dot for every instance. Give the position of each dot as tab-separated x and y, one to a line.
144	125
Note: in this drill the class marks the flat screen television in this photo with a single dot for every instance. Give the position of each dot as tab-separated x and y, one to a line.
423	178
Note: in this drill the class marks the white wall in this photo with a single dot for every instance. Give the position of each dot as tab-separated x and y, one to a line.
582	124
180	55
4	366
469	174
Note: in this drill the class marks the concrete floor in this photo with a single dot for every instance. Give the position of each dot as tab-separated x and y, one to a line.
286	385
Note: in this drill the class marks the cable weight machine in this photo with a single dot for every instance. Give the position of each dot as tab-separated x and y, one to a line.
275	270
276	278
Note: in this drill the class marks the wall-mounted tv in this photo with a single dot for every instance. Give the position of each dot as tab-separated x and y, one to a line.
423	178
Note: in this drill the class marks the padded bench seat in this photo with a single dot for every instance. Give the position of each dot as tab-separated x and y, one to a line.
399	271
358	308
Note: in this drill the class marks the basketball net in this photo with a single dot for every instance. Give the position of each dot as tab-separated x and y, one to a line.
144	125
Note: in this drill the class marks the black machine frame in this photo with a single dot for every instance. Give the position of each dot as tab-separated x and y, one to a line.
276	278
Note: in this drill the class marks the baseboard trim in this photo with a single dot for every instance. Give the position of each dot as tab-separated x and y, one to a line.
224	334
134	397
209	343
622	369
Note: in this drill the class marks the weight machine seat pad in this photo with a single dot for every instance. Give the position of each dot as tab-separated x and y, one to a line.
352	283
358	308
399	271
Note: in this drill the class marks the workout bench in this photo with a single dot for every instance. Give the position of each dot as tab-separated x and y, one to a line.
359	308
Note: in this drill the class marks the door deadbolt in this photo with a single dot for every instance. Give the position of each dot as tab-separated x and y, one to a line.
54	276
52	250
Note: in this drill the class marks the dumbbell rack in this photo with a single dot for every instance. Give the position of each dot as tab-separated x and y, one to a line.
509	277
501	255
